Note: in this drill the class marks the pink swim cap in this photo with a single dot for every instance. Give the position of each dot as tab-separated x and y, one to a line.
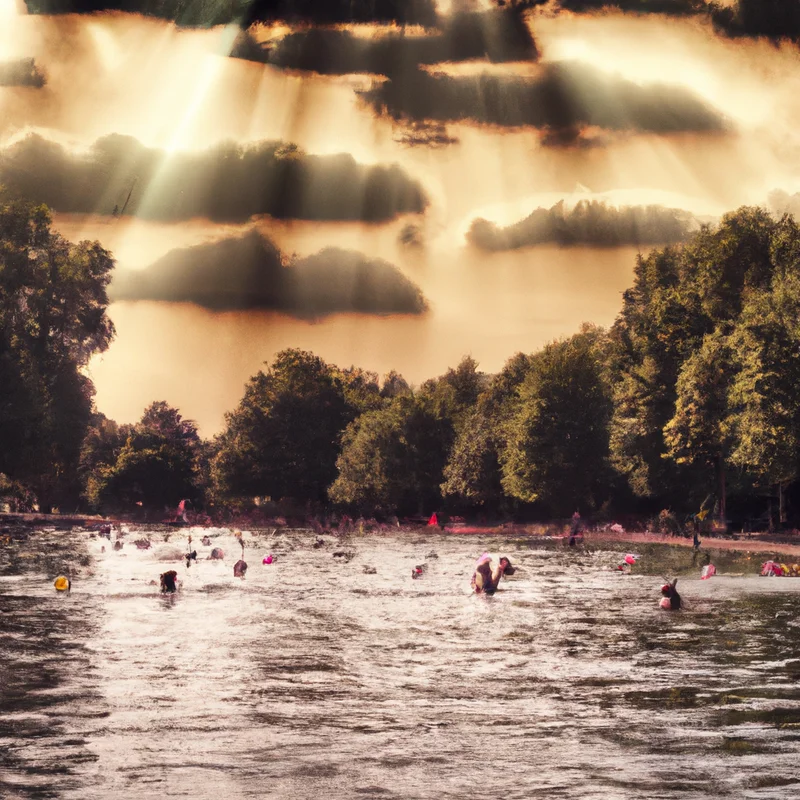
267	560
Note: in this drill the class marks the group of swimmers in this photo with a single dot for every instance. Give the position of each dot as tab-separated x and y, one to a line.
485	579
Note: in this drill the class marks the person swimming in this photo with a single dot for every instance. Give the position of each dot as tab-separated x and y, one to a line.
485	579
671	601
169	582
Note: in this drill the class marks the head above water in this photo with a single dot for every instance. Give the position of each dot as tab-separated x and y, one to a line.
505	565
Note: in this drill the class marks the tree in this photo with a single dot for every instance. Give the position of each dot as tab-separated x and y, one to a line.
557	445
53	301
394	384
680	295
764	417
472	474
696	434
156	467
282	440
392	459
360	387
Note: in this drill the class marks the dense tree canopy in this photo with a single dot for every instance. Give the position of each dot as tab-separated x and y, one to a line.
283	439
52	320
153	463
557	442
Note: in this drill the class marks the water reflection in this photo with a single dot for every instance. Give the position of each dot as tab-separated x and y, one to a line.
314	676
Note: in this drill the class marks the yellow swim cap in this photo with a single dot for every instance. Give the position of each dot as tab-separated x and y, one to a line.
61	583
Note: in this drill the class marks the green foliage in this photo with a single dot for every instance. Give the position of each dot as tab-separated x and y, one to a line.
394	384
392	459
696	431
282	440
472	475
472	472
156	466
360	387
764	416
557	442
53	304
681	296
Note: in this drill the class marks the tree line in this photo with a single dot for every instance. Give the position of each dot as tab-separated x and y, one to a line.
692	393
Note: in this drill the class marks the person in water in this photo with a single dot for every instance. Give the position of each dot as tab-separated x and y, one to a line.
169	582
671	601
485	579
574	529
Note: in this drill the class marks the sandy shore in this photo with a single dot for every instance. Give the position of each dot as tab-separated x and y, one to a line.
746	544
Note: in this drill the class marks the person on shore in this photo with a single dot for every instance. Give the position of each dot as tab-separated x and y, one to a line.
671	600
486	578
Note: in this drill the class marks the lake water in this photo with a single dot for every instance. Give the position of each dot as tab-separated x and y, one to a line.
317	678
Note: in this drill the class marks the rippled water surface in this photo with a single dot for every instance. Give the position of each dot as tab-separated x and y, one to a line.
316	678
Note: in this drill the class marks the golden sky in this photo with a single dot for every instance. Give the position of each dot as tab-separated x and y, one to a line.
178	91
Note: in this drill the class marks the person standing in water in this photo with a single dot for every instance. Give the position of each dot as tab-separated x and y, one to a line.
575	528
485	579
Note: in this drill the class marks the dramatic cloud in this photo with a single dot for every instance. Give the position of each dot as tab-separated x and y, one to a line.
563	96
496	35
588	223
772	19
21	72
249	272
674	8
206	13
228	183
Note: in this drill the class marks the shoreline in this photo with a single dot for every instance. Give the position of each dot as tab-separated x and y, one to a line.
788	544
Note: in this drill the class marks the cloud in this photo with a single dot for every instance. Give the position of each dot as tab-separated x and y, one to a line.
497	35
563	96
250	272
227	183
21	72
588	223
771	19
207	13
672	8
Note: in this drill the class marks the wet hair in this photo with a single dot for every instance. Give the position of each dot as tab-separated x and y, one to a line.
509	570
168	581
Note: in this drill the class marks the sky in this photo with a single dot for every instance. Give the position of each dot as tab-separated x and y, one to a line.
290	178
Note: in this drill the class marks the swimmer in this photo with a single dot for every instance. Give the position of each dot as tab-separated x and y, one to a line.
239	569
485	579
169	582
671	601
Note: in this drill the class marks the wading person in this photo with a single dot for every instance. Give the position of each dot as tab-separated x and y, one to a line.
486	578
671	600
169	582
